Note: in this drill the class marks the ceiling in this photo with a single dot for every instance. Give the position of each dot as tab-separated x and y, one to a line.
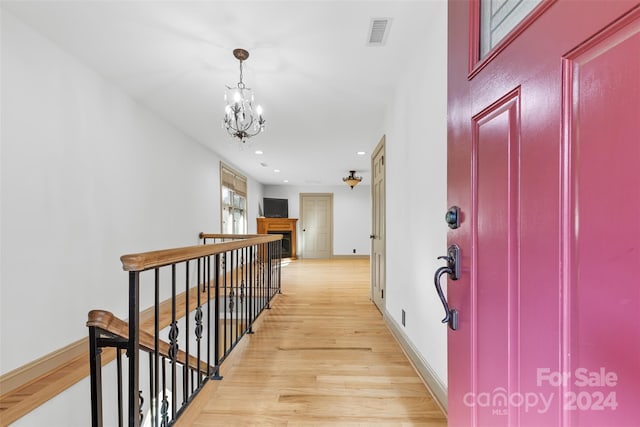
324	90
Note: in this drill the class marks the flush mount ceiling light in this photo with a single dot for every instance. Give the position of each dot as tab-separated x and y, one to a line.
241	119
352	180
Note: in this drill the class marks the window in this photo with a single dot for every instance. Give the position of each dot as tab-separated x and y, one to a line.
498	18
233	191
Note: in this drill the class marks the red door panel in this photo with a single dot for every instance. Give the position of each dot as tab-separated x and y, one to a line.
495	154
603	314
543	161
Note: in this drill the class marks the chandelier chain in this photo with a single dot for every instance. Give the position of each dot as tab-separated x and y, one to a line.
240	83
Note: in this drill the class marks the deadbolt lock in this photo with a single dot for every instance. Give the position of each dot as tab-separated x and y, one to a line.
452	217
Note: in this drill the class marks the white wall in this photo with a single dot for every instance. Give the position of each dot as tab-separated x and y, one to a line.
86	176
255	194
416	189
351	214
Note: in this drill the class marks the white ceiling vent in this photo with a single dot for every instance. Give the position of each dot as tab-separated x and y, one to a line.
378	31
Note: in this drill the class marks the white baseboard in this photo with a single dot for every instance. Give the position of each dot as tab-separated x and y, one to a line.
437	389
358	256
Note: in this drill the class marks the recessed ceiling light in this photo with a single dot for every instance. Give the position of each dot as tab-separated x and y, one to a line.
361	153
258	152
276	170
285	181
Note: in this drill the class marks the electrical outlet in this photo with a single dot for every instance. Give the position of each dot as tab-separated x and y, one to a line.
354	251
403	318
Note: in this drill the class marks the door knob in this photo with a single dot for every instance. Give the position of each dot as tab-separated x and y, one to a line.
453	270
372	236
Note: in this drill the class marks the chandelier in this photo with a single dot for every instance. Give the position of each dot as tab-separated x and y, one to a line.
241	119
352	180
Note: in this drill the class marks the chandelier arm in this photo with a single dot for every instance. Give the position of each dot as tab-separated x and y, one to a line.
236	130
248	126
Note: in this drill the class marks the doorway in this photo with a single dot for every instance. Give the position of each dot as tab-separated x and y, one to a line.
316	224
378	226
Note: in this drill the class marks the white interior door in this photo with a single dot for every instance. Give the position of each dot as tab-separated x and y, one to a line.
316	215
378	226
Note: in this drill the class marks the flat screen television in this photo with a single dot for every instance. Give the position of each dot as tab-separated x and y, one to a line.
276	208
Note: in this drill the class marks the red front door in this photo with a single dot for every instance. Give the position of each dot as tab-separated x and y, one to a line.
544	162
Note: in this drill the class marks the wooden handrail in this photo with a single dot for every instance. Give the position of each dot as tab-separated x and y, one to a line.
106	321
146	260
204	235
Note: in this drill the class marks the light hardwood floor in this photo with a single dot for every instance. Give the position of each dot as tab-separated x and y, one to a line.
321	356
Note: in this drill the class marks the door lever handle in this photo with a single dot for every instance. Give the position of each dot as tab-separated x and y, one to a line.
443	299
453	270
453	261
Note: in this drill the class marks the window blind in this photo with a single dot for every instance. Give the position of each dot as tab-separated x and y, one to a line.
233	180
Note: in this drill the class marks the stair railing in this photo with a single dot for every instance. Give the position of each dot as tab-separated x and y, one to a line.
203	300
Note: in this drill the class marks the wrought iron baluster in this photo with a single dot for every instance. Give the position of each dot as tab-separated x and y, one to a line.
268	272
216	323
173	342
156	348
141	400
153	397
164	410
95	366
173	339
199	327
119	386
185	368
224	315
240	312
250	291
217	263
133	347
